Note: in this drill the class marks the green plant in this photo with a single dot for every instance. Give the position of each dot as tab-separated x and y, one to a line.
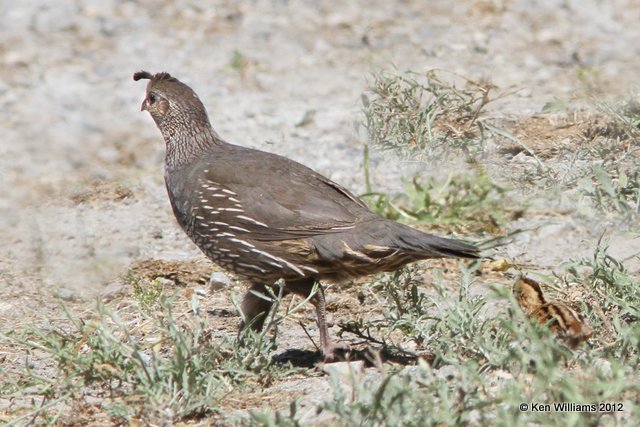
449	330
422	114
147	293
239	62
470	202
626	118
614	290
267	417
168	363
616	191
486	360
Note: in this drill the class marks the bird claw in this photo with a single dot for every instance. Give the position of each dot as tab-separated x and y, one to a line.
336	353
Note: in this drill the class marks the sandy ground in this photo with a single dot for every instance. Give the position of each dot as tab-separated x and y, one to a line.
82	196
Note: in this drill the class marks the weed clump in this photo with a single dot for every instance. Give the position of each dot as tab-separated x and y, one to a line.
464	202
614	192
423	115
155	365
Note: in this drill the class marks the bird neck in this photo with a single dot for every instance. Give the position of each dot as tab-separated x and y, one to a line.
185	146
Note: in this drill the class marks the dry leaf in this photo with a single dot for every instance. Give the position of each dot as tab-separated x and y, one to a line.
497	265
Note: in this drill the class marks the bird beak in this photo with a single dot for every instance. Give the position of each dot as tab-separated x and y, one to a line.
144	105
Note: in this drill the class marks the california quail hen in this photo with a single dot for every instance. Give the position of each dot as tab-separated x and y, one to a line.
265	217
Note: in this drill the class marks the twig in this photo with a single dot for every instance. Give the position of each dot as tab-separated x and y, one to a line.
308	335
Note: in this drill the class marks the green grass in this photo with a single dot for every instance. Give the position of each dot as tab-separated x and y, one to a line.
615	291
614	192
239	62
153	365
602	167
612	182
148	294
468	203
625	118
425	115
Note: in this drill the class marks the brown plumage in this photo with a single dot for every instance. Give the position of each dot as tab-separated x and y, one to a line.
566	323
265	217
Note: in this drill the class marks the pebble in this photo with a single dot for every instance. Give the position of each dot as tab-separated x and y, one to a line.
347	373
111	291
604	367
219	281
66	295
344	370
448	373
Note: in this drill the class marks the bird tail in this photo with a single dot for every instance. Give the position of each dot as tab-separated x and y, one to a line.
425	245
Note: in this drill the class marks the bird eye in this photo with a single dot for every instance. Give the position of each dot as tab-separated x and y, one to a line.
152	98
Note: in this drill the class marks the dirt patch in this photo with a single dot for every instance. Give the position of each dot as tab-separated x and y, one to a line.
550	134
100	191
181	273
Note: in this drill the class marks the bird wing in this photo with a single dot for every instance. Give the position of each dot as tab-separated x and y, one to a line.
280	198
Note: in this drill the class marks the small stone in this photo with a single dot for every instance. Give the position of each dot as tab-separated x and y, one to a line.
307	118
604	367
163	282
218	281
344	370
66	295
347	373
415	372
111	291
523	157
448	373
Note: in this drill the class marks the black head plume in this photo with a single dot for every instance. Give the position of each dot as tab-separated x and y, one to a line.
163	84
153	77
142	75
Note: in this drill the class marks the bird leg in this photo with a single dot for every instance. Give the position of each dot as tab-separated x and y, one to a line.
304	288
329	348
254	308
321	316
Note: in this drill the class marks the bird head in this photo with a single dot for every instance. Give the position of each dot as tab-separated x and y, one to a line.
169	101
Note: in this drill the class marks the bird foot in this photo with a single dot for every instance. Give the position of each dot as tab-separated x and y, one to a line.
336	353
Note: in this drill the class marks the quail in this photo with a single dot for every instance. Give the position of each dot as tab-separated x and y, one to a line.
265	217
